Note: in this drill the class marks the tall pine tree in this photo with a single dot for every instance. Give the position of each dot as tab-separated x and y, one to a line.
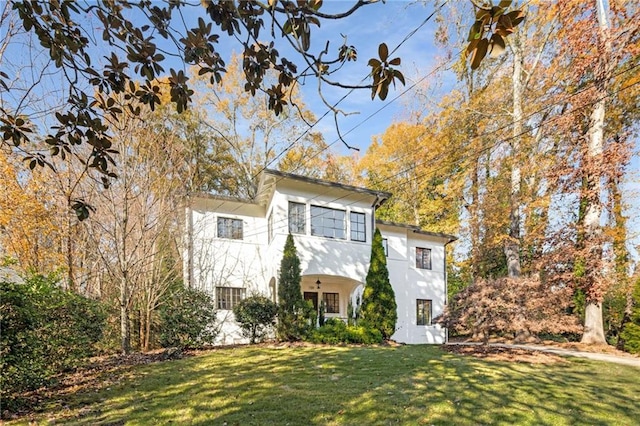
379	309
291	303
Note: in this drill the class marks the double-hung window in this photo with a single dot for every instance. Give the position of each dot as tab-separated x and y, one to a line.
228	297
385	246
329	223
229	228
358	229
423	258
423	312
297	218
270	227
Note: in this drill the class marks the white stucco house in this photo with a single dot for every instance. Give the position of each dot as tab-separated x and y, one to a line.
235	249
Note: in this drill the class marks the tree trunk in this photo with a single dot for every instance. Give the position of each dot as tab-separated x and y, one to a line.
512	243
593	324
147	335
125	328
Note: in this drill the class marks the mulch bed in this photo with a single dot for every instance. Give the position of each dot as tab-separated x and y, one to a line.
494	353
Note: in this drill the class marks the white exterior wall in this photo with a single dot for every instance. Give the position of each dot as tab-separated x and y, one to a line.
411	283
341	265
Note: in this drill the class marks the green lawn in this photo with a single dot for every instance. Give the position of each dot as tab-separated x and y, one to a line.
403	385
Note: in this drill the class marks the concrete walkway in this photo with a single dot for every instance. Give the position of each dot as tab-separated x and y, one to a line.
632	361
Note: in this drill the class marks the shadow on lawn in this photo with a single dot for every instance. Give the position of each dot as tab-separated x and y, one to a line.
365	385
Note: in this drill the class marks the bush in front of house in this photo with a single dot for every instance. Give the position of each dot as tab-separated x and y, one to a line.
294	315
256	316
335	331
187	319
379	309
44	330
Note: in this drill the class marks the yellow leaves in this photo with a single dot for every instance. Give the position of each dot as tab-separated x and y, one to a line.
29	229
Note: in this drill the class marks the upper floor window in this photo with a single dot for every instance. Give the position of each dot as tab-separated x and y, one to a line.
270	227
326	222
385	246
423	258
228	297
423	312
229	228
297	218
358	232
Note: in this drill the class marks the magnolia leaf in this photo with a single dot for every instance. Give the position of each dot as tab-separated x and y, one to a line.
397	74
374	63
472	45
505	3
395	61
383	52
479	53
496	46
516	17
505	21
475	33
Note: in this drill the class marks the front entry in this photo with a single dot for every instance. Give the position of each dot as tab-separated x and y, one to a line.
313	296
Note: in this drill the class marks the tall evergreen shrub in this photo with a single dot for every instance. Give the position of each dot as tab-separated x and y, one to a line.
379	309
291	319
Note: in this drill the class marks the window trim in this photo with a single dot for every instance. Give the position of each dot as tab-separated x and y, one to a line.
421	318
385	246
329	209
420	261
304	217
270	227
334	304
227	305
363	223
231	220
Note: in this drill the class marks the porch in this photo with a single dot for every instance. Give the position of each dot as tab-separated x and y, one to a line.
335	291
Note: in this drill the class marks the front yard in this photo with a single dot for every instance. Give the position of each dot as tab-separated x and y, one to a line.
326	385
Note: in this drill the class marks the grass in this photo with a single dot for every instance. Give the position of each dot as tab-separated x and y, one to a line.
406	385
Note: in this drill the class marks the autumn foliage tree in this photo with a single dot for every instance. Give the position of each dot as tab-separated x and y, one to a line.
509	306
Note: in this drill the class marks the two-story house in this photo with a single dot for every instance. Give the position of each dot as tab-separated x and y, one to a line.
235	249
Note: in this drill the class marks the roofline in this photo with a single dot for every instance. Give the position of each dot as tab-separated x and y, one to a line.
418	230
380	195
207	196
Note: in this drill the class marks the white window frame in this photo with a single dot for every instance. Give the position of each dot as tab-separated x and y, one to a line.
420	260
424	318
223	230
355	226
328	222
300	219
228	297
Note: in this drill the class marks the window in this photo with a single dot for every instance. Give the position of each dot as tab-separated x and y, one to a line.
423	258
228	297
423	312
385	246
331	303
358	232
270	227
327	222
229	228
297	218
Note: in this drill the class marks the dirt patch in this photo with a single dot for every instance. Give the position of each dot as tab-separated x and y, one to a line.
496	353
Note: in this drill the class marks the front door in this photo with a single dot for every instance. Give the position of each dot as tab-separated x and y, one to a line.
313	296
